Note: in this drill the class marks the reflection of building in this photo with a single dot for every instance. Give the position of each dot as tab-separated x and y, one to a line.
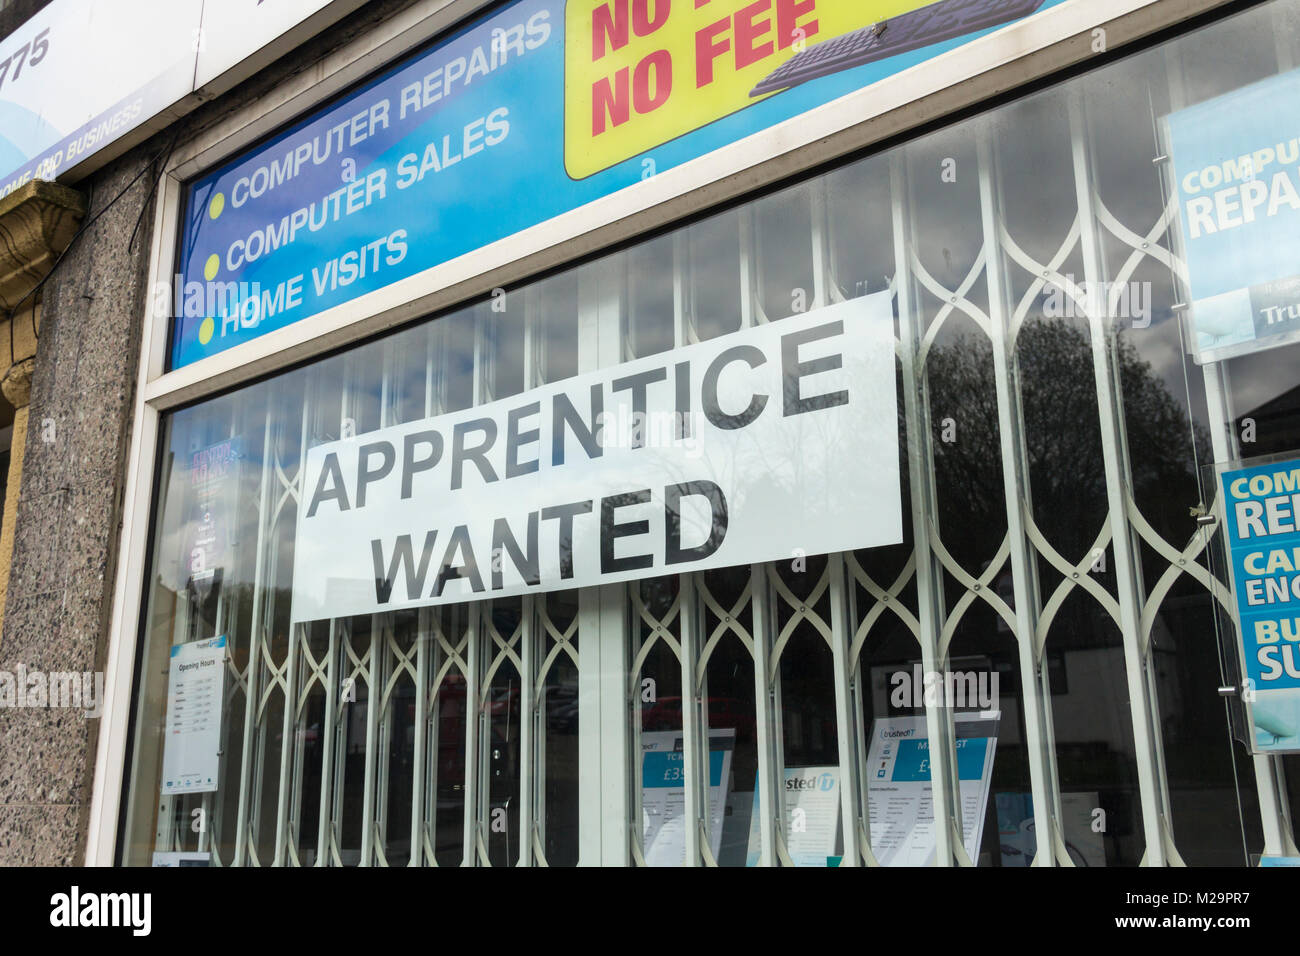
1048	460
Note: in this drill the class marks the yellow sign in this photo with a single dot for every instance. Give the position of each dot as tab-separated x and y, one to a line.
638	73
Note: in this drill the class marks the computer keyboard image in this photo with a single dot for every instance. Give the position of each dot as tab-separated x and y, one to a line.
933	24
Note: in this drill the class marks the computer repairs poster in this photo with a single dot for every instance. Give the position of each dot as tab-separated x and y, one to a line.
1236	165
532	111
900	794
1263	537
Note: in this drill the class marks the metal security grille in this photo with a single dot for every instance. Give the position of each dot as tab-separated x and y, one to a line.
380	741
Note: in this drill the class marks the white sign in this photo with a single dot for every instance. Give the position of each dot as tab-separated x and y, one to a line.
191	751
812	817
80	74
234	30
766	444
812	814
900	794
663	793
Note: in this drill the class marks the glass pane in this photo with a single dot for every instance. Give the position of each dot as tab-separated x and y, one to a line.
655	654
1053	435
728	712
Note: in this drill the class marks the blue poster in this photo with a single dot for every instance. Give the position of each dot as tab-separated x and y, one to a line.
1236	162
525	114
1263	518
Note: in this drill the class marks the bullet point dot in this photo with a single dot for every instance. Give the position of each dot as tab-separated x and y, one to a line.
211	266
218	203
205	330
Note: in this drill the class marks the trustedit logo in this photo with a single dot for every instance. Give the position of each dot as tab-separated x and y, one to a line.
102	909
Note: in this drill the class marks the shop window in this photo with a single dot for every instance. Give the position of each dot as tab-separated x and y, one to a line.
1055	432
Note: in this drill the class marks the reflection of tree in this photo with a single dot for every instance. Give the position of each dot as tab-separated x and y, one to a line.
1062	441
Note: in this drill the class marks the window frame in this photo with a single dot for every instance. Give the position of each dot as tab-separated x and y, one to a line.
1054	41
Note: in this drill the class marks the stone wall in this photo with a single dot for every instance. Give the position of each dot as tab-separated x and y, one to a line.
66	520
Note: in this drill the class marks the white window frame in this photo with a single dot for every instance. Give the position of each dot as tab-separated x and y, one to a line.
1049	41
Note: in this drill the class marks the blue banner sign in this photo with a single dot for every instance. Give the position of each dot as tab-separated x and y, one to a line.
1263	518
527	113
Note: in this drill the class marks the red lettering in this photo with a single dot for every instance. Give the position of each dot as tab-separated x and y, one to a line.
642	25
788	13
748	32
661	64
609	23
608	29
611	101
708	49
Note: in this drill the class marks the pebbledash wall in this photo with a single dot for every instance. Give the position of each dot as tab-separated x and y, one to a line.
966	280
